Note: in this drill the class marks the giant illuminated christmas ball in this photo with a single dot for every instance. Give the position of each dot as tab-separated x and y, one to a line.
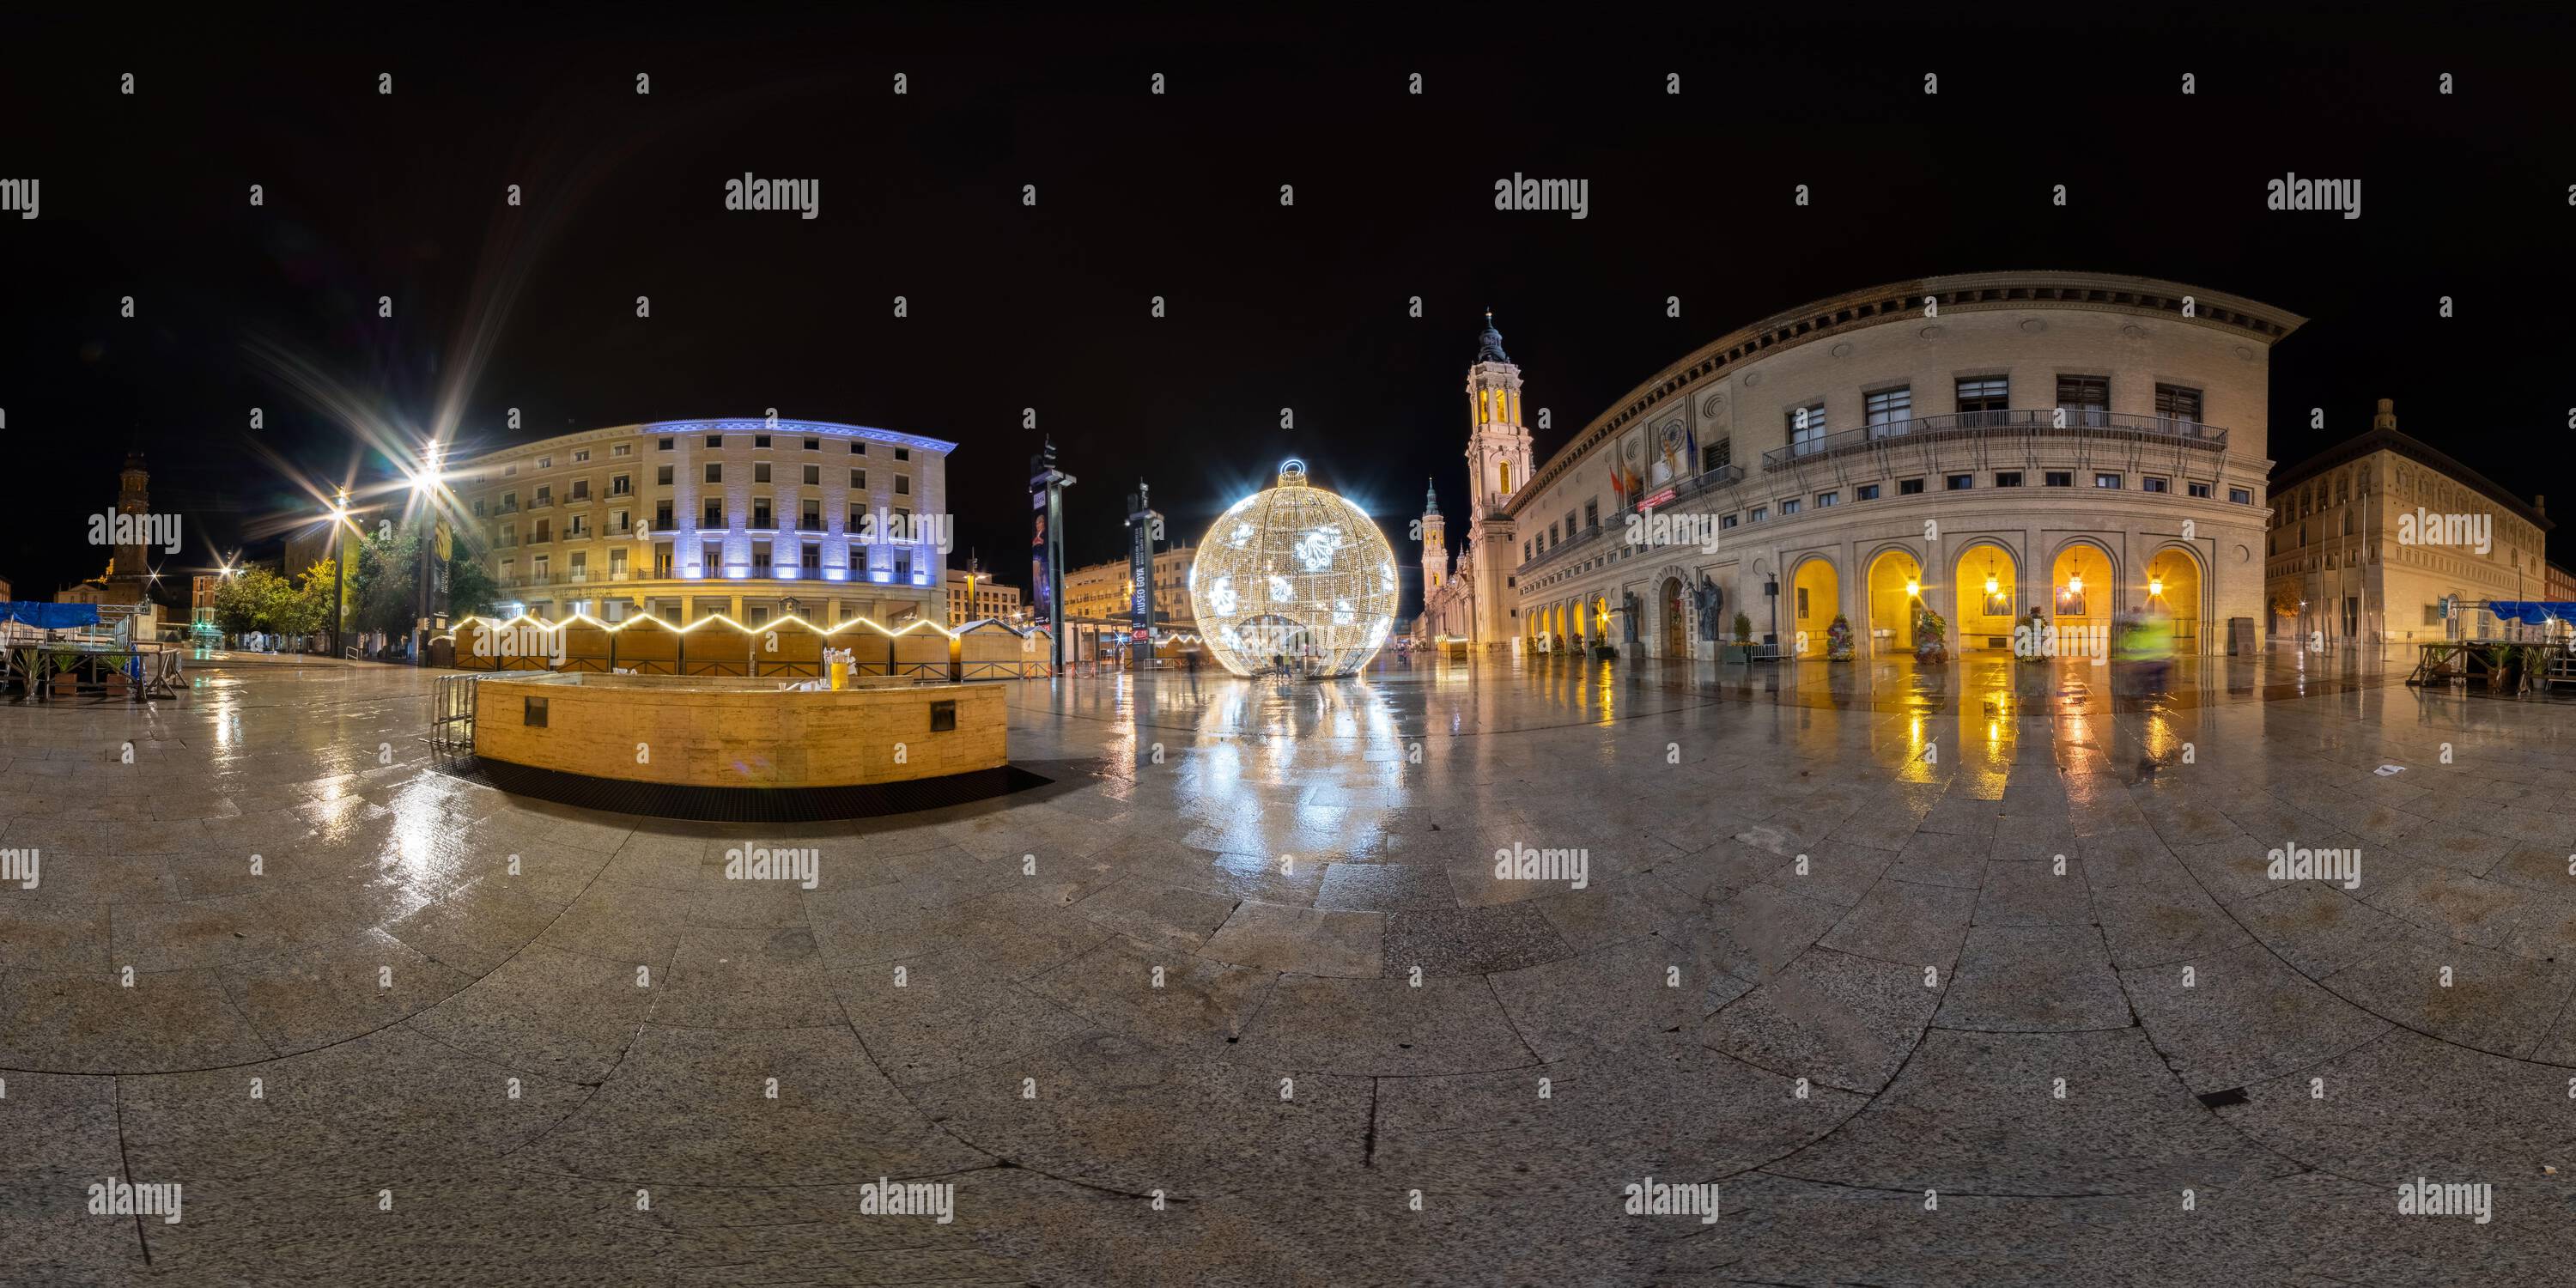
1293	576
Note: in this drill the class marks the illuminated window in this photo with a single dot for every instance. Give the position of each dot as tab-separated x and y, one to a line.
1507	476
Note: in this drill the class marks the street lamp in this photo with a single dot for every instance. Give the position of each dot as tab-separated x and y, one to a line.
339	516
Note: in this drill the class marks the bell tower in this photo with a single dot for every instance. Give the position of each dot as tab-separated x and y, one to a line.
1435	542
1498	442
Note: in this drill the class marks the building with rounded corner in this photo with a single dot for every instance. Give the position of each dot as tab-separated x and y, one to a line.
754	519
2081	445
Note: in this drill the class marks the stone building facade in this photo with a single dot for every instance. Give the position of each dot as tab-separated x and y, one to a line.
1987	445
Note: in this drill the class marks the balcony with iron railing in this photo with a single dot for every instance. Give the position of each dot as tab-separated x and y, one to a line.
2080	423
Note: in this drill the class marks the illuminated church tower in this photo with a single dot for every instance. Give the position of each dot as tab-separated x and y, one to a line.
1498	445
1435	542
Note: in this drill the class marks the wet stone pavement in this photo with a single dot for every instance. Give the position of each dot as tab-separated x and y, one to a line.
1970	976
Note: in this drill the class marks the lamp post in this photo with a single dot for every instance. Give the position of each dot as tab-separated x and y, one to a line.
430	597
339	516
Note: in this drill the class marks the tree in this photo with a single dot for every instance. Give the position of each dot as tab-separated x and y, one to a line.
260	600
470	589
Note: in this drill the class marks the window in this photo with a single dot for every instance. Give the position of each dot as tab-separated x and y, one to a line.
1825	500
1865	492
1592	514
1725	523
810	516
545	531
2173	402
1525	552
545	462
2240	496
1806	428
715	472
903	453
662	516
662	475
622	449
1715	456
545	496
714	516
509	470
581	489
1909	487
2151	483
665	445
2008	478
576	526
2057	478
478	507
2111	481
1760	512
715	440
1788	507
760	516
2087	399
1983	393
618	525
2200	490
760	440
509	503
1886	411
858	448
578	457
810	557
760	472
1570	529
813	444
2432	614
1958	482
858	479
903	485
621	485
813	474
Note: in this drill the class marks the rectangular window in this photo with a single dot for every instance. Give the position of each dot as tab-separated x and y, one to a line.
581	455
665	444
1983	394
2200	490
2173	402
577	526
2087	400
813	444
903	485
1806	428
622	449
1717	455
1909	487
760	440
858	448
810	557
2057	478
581	489
1788	507
903	453
1886	411
2240	496
1865	492
2151	483
1959	482
2111	481
1592	514
715	440
1825	500
858	479
1725	523
813	474
715	472
662	475
2007	478
662	516
1552	538
545	462
760	517
508	471
1525	552
714	516
810	516
621	485
760	472
545	531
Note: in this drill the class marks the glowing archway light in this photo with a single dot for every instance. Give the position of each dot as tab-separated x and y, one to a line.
1297	571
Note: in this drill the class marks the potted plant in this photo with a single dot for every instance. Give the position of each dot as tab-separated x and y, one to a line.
2499	656
66	682
1931	634
1838	640
1743	638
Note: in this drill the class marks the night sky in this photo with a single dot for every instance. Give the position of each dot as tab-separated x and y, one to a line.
1178	195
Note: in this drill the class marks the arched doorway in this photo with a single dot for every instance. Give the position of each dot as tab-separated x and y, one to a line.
1895	579
1676	601
1988	598
1815	598
2082	584
2173	588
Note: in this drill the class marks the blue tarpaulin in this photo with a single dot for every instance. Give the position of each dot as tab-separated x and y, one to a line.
2531	612
51	617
